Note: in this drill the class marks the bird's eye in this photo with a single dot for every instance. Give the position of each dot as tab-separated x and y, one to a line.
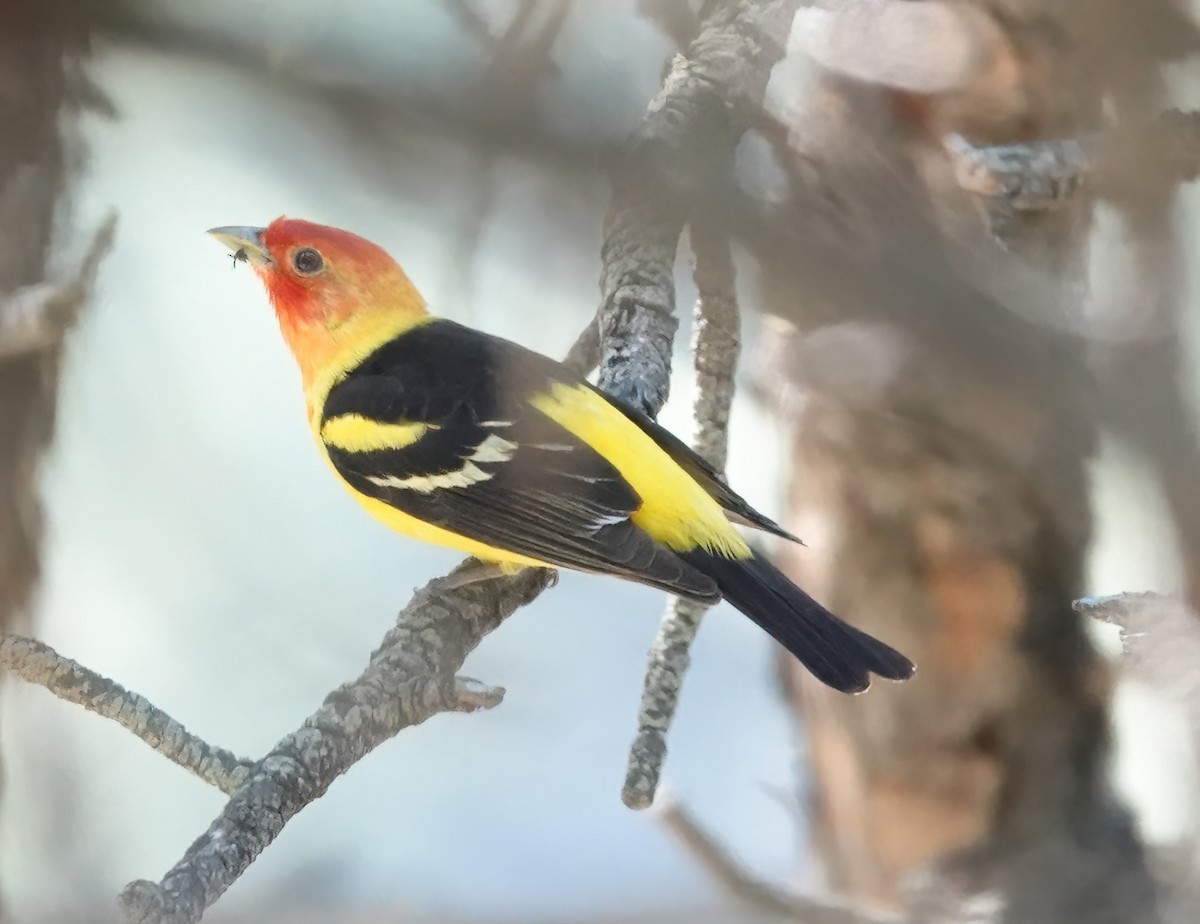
308	262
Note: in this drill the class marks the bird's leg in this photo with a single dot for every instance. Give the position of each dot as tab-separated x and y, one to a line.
475	571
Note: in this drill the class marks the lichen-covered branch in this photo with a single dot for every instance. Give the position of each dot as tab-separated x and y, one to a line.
715	348
681	149
1027	177
410	677
38	663
1044	174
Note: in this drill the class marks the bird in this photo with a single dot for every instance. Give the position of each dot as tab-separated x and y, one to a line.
466	440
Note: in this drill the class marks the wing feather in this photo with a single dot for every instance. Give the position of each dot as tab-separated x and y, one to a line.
487	465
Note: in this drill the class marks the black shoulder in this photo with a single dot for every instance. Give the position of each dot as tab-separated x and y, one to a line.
439	365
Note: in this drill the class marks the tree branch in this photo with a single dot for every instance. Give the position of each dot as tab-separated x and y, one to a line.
715	348
682	148
410	678
716	860
40	664
1044	174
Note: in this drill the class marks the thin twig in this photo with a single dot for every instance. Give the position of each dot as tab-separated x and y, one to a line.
717	861
715	348
40	664
410	678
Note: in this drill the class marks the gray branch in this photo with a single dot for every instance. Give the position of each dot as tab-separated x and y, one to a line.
1026	177
1044	175
681	150
410	678
715	348
37	663
716	860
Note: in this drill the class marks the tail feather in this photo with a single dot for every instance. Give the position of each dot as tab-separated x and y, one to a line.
836	653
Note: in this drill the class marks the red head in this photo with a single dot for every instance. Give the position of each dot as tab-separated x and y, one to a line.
329	287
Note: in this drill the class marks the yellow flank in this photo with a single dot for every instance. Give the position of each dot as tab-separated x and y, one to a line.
355	433
675	510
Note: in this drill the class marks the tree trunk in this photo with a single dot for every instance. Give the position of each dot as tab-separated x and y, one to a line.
941	477
41	43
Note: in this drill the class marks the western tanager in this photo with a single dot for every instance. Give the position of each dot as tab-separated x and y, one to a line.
469	441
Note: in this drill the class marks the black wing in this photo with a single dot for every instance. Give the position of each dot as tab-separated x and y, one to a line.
490	466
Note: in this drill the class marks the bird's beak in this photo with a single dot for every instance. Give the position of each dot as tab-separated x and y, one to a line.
245	243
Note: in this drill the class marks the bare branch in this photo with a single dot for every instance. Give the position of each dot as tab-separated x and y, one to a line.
715	348
410	678
40	664
1027	177
37	317
1043	174
666	664
726	870
681	149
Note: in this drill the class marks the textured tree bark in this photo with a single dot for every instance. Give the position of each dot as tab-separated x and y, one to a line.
942	480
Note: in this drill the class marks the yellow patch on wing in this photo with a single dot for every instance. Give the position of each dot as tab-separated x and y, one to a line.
356	433
675	509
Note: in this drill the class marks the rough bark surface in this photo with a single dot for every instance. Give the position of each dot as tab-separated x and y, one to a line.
681	149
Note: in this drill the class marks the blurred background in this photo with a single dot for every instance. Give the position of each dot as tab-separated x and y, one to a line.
975	405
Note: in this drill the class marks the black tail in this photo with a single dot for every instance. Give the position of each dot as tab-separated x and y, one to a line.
837	654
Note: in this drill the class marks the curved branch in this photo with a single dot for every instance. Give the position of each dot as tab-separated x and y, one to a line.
724	868
37	663
410	678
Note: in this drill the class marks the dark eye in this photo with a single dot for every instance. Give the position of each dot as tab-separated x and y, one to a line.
308	262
